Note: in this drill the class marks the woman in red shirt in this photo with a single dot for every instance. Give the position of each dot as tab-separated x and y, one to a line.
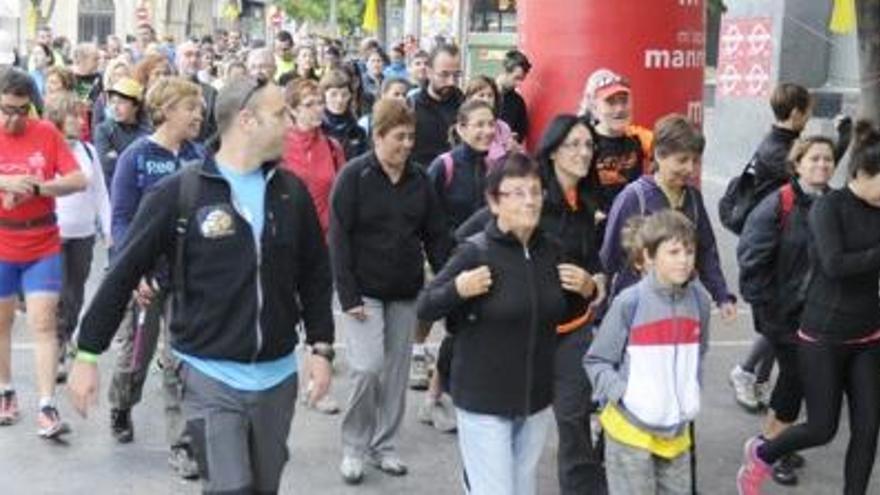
308	152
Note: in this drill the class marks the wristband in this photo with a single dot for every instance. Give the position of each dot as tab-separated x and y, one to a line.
86	357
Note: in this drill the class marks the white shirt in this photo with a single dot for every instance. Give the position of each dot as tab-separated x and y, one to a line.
78	213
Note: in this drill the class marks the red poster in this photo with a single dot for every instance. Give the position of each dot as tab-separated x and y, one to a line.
745	56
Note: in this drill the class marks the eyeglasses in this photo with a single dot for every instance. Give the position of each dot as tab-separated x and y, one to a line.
262	81
575	145
523	194
15	110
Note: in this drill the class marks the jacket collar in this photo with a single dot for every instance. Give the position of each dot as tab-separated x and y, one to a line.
493	232
373	163
209	168
667	292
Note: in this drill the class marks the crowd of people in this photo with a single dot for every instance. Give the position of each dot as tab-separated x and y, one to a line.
255	200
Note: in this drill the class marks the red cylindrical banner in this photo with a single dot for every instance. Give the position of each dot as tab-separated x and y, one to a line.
658	44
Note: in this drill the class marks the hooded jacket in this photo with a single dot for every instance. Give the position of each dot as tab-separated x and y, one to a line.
346	131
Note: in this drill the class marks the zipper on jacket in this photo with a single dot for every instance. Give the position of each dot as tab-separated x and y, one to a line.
533	330
259	263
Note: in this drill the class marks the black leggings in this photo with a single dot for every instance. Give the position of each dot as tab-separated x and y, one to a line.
788	392
828	371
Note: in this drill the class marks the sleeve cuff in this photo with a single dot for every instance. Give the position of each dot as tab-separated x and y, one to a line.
86	357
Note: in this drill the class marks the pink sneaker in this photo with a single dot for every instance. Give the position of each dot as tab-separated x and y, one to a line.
754	471
8	408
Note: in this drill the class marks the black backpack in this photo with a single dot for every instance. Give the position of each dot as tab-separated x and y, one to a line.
743	193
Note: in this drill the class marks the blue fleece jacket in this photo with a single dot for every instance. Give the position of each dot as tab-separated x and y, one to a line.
139	167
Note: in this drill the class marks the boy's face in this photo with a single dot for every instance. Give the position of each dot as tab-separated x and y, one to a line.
673	262
678	168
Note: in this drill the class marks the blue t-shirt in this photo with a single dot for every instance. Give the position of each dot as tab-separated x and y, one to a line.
249	199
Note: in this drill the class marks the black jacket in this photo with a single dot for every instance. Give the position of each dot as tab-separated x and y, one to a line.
433	120
345	130
465	192
771	157
842	297
111	139
505	340
209	121
238	304
379	230
513	111
573	230
773	259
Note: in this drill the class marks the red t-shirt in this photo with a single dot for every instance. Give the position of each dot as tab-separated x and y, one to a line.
41	151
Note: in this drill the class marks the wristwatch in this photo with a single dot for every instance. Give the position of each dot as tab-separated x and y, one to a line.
324	350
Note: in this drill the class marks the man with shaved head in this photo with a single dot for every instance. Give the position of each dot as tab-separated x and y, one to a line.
261	64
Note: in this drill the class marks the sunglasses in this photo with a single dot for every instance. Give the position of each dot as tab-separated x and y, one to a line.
13	110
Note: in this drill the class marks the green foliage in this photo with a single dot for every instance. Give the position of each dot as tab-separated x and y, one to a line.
349	12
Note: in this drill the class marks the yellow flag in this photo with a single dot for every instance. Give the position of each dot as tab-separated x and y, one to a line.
843	17
371	17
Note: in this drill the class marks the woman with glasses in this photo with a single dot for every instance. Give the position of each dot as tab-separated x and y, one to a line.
308	151
503	296
566	154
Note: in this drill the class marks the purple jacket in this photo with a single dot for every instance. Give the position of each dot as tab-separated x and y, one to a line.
628	204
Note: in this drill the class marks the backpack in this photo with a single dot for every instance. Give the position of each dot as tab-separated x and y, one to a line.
742	194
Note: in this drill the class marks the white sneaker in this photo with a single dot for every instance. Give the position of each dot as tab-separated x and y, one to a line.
743	384
352	470
420	372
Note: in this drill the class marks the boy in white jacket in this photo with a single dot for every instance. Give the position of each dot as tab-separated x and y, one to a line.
645	363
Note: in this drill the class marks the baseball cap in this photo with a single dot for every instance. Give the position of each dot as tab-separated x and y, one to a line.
603	83
128	88
7	46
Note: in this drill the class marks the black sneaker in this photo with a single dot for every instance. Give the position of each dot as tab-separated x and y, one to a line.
120	425
784	473
794	460
183	463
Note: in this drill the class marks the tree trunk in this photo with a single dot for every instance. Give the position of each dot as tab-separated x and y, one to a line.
868	20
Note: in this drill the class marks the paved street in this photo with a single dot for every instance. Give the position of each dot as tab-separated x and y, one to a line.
92	463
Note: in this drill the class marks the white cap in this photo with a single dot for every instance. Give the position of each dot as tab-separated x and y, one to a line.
7	46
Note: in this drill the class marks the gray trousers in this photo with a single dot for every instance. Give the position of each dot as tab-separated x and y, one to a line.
137	345
632	471
378	352
239	438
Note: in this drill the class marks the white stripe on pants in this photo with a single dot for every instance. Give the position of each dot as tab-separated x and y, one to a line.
378	352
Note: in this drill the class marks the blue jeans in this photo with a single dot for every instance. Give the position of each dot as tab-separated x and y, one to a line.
500	453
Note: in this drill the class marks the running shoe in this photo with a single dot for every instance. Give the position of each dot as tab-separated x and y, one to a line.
183	462
754	471
743	384
121	426
49	423
763	391
8	408
389	464
420	372
352	470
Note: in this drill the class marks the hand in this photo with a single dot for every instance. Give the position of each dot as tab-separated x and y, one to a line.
843	123
601	291
145	293
513	145
599	217
728	312
473	283
320	372
82	386
576	279
19	184
359	313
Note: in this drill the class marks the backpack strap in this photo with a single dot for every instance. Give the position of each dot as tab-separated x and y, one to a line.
186	201
448	168
786	204
86	146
